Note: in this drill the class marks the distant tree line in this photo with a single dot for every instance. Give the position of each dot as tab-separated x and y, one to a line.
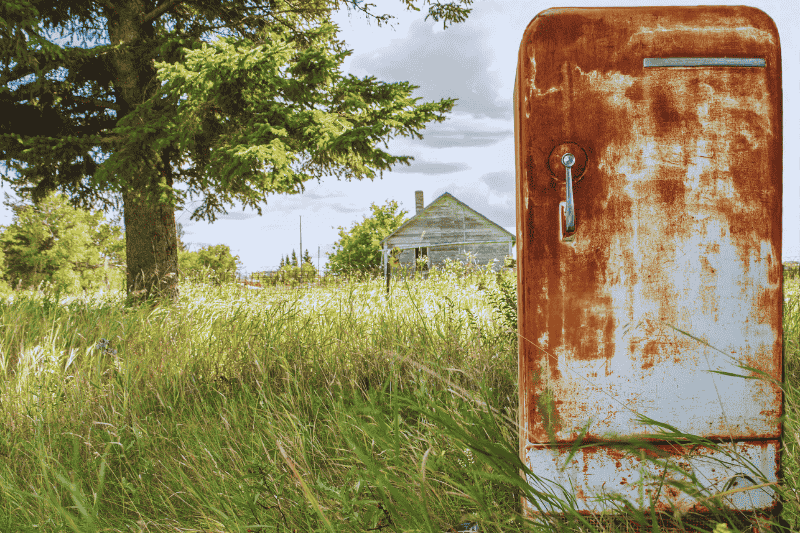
73	250
293	261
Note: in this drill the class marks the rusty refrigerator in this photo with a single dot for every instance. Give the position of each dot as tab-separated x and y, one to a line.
649	185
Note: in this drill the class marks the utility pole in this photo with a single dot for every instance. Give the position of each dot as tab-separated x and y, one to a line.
300	261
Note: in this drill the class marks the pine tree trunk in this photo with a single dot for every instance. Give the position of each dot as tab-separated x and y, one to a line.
150	232
151	249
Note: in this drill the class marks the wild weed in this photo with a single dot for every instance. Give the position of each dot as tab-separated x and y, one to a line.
303	409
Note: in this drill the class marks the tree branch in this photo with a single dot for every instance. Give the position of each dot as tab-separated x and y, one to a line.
95	102
110	139
160	10
19	71
107	4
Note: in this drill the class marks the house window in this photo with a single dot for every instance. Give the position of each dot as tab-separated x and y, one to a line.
421	252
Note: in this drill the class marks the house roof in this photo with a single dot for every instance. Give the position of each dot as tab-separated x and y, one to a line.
447	194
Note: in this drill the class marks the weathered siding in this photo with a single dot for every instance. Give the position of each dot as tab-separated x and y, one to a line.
483	254
446	220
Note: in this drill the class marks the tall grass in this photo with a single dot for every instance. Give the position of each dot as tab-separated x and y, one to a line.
318	409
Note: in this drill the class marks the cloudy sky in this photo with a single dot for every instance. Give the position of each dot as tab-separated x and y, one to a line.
471	154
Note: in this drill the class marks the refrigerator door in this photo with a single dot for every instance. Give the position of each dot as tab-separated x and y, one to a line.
657	258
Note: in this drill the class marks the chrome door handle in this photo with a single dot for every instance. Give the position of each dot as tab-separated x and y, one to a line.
568	160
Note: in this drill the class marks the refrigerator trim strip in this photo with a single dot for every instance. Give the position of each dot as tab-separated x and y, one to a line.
704	62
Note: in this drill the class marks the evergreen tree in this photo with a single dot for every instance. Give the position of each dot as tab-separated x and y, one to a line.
280	266
307	257
294	258
124	120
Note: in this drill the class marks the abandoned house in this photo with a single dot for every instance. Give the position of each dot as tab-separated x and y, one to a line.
447	229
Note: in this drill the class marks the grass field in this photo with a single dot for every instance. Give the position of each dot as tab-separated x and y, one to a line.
334	409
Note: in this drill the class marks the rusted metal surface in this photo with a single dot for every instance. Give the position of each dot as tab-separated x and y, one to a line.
595	470
678	226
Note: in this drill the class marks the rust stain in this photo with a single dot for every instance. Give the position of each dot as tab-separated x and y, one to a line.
678	191
596	470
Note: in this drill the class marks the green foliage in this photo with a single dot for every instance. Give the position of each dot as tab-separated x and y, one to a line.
214	262
56	244
293	260
448	12
265	114
295	275
503	297
359	248
499	287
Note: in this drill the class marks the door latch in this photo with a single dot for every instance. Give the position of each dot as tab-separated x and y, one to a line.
566	210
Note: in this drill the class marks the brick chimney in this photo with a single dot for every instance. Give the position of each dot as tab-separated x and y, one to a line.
420	202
